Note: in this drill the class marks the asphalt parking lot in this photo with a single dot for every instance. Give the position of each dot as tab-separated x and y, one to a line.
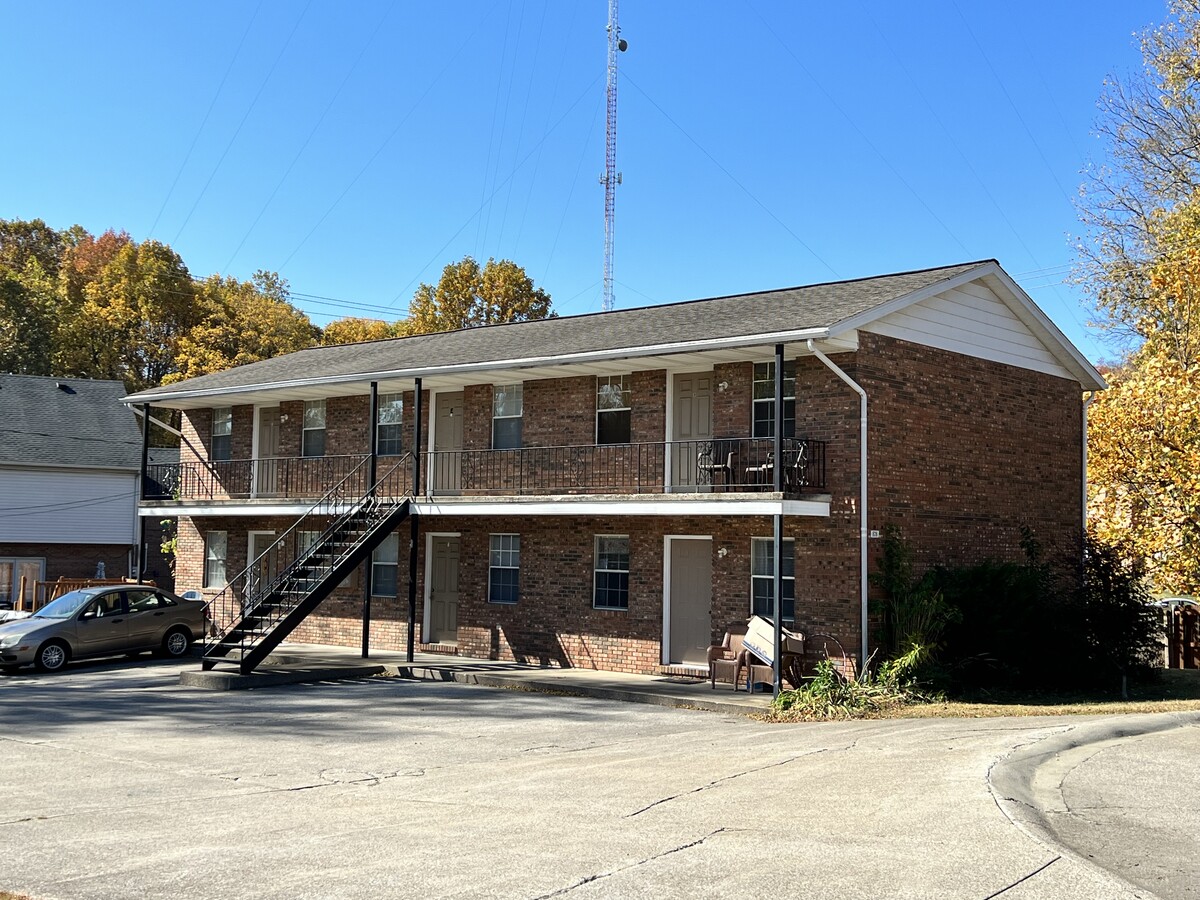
117	782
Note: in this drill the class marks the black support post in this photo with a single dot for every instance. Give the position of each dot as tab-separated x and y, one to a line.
777	475
414	530
141	557
372	474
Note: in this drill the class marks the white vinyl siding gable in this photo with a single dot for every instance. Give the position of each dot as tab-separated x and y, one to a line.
971	319
63	506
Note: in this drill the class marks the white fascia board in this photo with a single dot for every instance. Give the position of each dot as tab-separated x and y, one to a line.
776	337
548	507
1019	301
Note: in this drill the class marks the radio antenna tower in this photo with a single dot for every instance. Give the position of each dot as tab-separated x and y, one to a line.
611	177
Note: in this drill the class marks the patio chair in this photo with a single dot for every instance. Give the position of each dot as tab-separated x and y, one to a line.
725	660
715	458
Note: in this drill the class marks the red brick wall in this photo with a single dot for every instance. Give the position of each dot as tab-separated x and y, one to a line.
964	451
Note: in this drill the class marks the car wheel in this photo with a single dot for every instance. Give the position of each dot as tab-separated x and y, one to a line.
176	643
52	656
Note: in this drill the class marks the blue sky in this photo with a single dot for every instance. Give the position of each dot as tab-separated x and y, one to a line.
357	148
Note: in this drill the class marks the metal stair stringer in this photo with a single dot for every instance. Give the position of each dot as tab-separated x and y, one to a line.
268	632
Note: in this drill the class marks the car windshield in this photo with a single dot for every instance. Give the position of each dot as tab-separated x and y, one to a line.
65	606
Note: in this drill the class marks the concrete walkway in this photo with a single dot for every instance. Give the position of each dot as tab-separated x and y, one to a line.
298	663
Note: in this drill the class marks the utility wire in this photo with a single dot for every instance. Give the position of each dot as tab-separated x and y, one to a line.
732	178
496	191
328	106
246	116
862	135
187	156
449	64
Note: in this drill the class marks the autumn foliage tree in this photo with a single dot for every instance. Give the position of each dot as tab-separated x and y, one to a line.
1142	265
468	295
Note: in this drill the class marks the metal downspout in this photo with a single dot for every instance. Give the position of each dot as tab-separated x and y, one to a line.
1086	403
862	494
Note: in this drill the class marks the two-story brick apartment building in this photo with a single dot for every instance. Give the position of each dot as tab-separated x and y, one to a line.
604	490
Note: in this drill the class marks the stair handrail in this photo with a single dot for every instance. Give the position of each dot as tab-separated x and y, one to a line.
250	577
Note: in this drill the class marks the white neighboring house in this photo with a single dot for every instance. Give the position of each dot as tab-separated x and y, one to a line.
70	454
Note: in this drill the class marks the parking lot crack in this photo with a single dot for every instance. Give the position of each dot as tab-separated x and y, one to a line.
1023	878
726	778
641	862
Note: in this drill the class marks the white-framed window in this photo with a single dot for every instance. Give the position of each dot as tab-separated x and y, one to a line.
762	578
304	541
385	564
613	409
313	439
611	585
216	552
12	570
222	434
507	409
764	399
504	568
390	424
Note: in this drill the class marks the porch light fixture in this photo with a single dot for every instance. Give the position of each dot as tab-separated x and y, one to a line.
723	552
723	386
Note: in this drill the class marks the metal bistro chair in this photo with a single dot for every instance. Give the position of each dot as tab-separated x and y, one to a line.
715	458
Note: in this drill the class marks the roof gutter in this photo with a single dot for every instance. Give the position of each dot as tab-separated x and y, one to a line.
862	496
796	335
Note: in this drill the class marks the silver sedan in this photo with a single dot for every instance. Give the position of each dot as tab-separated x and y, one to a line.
102	621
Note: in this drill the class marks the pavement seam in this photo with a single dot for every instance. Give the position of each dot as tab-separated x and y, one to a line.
719	781
641	862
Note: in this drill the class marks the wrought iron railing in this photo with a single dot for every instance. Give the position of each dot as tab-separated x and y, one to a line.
271	477
298	545
720	464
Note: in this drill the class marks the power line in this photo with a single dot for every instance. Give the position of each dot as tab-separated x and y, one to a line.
732	178
862	135
497	190
328	106
238	130
187	156
449	64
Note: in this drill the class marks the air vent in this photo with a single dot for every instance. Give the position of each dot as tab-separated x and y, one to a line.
64	387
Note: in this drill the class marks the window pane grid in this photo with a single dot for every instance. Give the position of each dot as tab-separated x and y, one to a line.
390	425
762	578
384	567
611	573
215	545
504	562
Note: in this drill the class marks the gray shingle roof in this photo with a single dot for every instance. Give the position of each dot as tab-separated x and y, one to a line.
87	425
813	306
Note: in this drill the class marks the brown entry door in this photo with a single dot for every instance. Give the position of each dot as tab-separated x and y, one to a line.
692	425
443	592
447	444
691	601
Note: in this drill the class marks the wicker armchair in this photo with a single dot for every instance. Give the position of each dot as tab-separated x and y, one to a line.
726	659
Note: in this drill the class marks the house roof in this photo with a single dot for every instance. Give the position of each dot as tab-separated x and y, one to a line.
66	422
787	314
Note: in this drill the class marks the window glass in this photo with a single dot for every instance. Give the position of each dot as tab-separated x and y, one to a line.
384	566
613	399
222	434
504	564
612	572
314	428
12	570
764	399
141	600
215	547
507	408
391	425
762	578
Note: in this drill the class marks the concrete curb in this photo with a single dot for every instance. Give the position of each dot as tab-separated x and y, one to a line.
1026	783
283	670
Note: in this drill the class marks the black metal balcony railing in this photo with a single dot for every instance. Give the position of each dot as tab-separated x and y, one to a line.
721	464
273	477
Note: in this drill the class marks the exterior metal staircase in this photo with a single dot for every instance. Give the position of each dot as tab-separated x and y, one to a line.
260	607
